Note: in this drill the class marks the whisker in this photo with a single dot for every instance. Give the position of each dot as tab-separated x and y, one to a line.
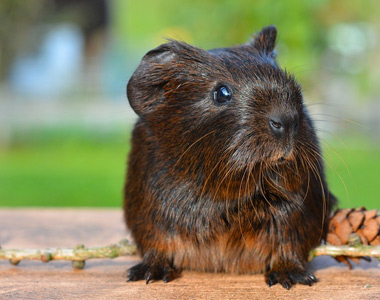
315	170
212	171
192	145
335	172
263	177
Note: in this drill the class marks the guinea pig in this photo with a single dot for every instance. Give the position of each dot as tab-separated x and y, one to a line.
225	172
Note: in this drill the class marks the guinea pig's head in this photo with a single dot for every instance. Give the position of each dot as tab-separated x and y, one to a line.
224	112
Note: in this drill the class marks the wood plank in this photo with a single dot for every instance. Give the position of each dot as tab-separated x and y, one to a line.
103	279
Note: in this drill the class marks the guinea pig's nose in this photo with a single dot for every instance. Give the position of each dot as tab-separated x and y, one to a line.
281	123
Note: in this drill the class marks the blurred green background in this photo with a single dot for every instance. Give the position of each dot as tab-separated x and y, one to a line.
65	122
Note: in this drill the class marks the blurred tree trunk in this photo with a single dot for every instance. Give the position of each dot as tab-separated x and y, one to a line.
17	18
22	22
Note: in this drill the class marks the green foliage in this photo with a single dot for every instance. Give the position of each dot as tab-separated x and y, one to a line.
303	40
211	24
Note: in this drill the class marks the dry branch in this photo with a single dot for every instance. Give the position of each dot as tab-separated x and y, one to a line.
80	254
349	251
77	255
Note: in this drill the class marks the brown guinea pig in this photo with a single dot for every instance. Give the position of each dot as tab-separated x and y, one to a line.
225	172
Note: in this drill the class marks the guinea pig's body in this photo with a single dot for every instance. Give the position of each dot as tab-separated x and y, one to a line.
225	172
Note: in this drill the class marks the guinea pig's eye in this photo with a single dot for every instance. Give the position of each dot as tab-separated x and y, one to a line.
222	95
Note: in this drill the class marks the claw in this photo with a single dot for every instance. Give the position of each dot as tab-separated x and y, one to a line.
271	279
150	273
148	278
287	278
286	285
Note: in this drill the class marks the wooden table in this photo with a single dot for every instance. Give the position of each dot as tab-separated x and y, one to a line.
103	279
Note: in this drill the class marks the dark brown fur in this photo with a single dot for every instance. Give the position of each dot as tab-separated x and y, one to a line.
210	187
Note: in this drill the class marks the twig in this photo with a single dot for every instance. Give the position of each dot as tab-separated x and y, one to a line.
79	254
350	251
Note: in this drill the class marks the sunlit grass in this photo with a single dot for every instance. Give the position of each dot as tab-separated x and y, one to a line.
64	168
353	173
75	167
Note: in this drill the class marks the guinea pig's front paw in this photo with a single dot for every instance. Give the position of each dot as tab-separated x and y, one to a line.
148	273
287	278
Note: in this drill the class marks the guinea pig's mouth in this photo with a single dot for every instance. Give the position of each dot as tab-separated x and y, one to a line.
284	155
283	158
282	161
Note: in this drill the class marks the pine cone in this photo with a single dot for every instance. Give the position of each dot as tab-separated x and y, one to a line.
354	226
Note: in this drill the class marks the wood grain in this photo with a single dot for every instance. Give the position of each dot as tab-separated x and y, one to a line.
103	279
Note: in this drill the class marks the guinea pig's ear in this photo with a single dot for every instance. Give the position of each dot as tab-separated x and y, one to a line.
265	40
147	82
